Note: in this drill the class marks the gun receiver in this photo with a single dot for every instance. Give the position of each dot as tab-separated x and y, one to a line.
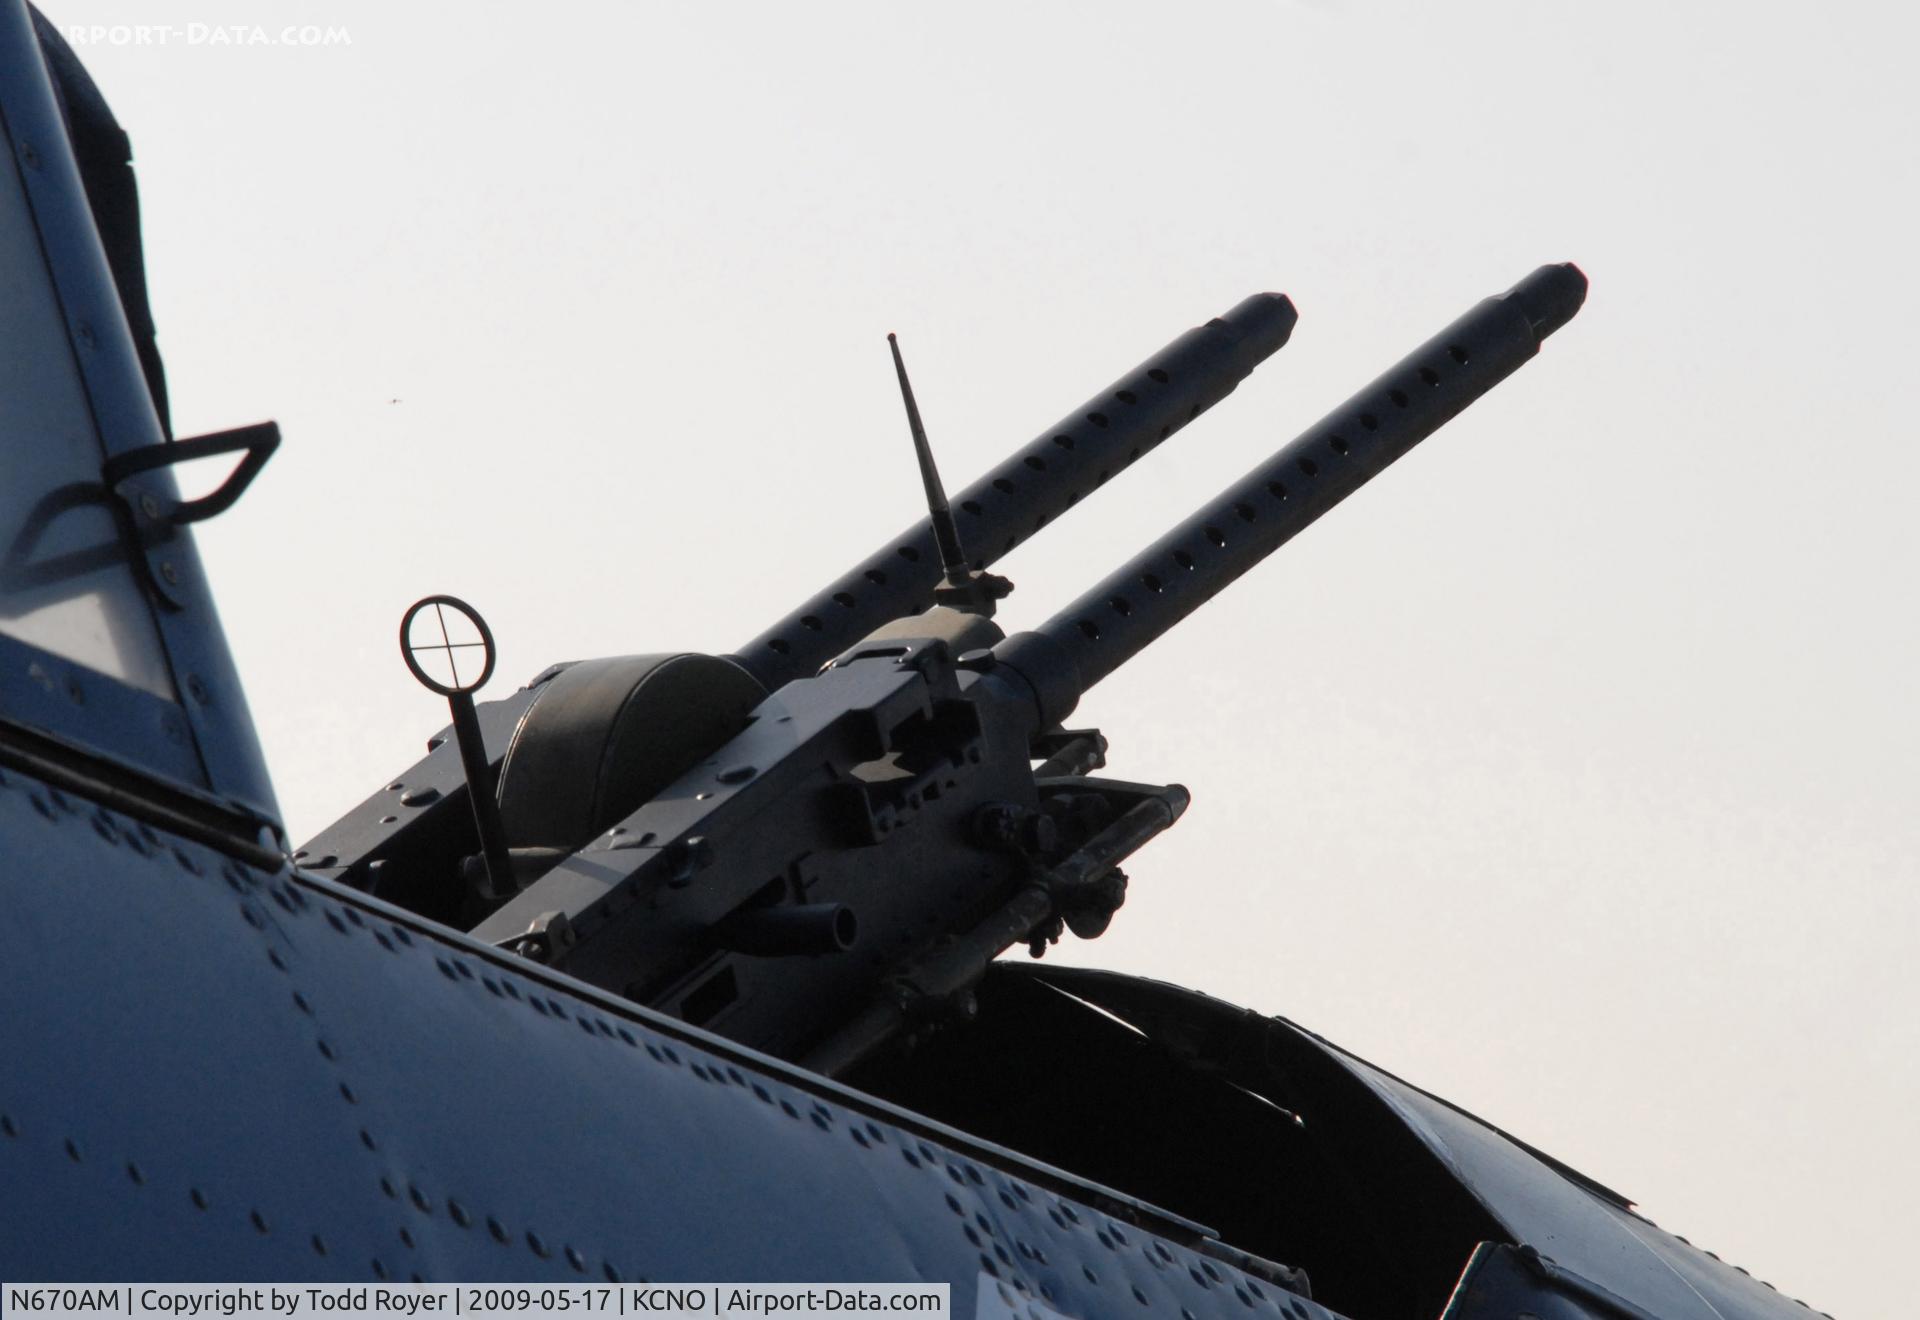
842	869
1105	435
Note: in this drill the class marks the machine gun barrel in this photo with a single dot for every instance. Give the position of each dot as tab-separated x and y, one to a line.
1031	488
1135	605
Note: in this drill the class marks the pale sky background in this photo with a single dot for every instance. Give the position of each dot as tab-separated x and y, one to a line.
1568	771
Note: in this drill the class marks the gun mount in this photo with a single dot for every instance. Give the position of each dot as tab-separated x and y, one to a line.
813	863
398	841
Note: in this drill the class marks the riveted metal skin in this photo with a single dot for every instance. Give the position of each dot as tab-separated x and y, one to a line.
220	1072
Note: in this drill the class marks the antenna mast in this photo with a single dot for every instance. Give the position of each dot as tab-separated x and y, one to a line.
962	587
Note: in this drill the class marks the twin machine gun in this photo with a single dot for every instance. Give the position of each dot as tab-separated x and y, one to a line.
815	846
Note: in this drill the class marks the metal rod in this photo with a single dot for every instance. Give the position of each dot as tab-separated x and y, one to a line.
486	811
953	560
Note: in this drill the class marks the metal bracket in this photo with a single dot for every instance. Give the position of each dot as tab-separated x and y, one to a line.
546	938
257	441
1069	752
146	510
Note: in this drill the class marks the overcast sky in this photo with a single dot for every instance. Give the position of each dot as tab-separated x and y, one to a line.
1568	771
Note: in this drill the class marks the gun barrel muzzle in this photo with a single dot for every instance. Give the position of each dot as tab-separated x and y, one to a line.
1135	605
1031	488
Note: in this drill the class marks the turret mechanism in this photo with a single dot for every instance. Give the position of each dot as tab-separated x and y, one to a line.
818	852
654	715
